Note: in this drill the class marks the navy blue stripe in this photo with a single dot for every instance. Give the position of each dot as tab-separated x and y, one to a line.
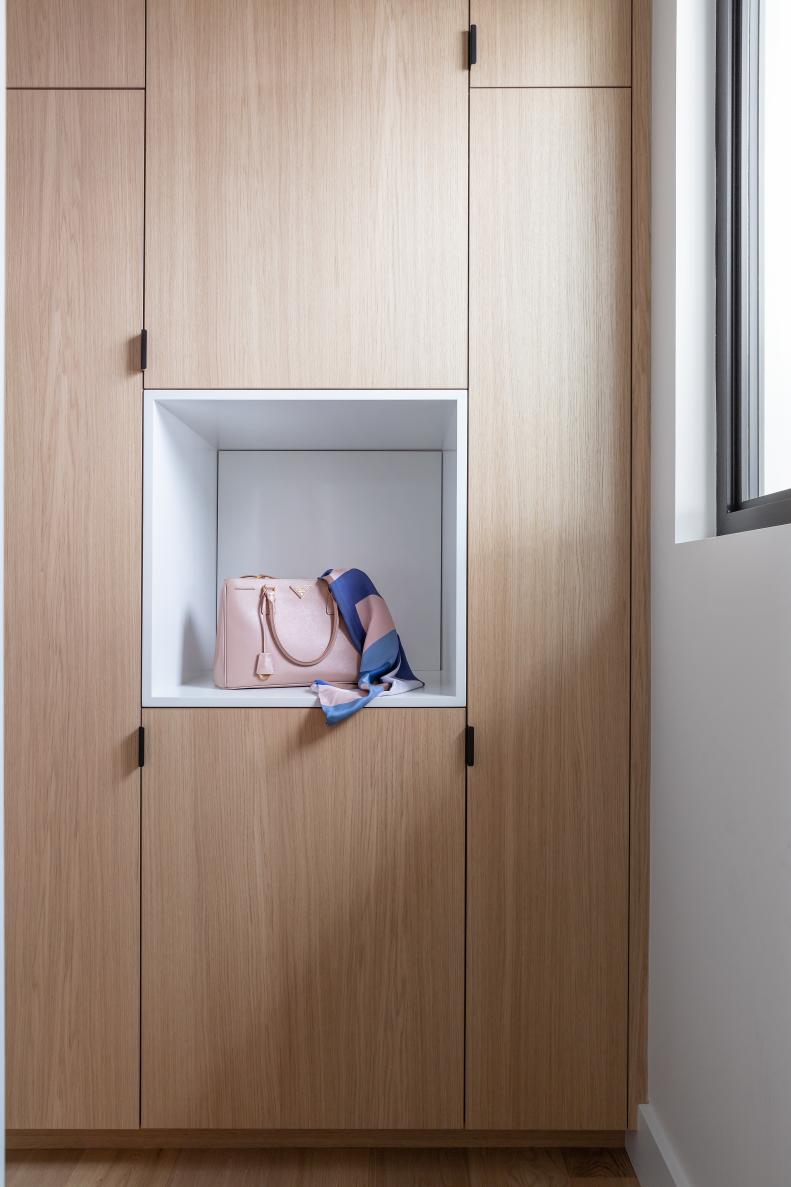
385	655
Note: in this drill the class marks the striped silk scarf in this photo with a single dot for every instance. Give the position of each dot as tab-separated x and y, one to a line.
384	670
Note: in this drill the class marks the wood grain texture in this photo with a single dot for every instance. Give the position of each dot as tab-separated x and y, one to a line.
72	644
552	43
297	1168
206	1139
303	907
603	1181
76	43
91	1168
597	1164
641	562
324	242
549	514
517	1168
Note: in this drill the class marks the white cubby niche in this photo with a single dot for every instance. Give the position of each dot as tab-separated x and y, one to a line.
293	483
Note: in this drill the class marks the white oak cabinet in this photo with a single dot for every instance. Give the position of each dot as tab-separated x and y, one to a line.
303	920
306	220
552	43
549	593
73	493
389	250
76	43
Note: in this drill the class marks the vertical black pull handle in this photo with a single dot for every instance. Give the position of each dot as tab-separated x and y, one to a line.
143	349
473	44
469	746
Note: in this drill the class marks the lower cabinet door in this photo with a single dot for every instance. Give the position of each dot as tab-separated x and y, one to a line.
303	919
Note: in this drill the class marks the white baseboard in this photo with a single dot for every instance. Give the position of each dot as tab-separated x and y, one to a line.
652	1154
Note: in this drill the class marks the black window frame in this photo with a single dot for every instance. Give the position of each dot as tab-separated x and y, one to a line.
740	506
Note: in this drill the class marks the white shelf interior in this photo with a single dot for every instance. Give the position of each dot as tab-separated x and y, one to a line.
293	483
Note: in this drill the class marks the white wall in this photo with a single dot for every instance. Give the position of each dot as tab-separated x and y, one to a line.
720	951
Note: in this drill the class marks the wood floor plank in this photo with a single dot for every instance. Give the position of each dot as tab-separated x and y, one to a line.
618	1181
128	1168
90	1168
598	1164
517	1168
319	1168
421	1168
273	1168
42	1168
199	1168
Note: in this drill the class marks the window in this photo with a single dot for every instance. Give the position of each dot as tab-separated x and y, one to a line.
753	263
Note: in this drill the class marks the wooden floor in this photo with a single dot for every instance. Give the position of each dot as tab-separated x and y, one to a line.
319	1168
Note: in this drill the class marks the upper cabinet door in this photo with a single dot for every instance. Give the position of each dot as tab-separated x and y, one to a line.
552	43
73	441
76	43
306	194
549	528
303	920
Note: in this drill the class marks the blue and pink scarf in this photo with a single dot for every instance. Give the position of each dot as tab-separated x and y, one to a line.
384	670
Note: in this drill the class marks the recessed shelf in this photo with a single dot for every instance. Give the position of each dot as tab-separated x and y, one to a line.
292	483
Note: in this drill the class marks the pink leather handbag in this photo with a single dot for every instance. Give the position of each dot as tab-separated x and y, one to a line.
280	632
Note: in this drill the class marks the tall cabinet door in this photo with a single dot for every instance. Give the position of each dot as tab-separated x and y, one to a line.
74	289
549	608
306	175
303	919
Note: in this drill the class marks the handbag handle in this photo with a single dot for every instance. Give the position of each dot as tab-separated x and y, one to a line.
269	610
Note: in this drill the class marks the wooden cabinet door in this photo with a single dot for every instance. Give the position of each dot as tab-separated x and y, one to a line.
76	43
549	520
552	43
306	194
303	919
72	523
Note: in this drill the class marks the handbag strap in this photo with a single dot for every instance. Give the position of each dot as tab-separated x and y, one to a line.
268	609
